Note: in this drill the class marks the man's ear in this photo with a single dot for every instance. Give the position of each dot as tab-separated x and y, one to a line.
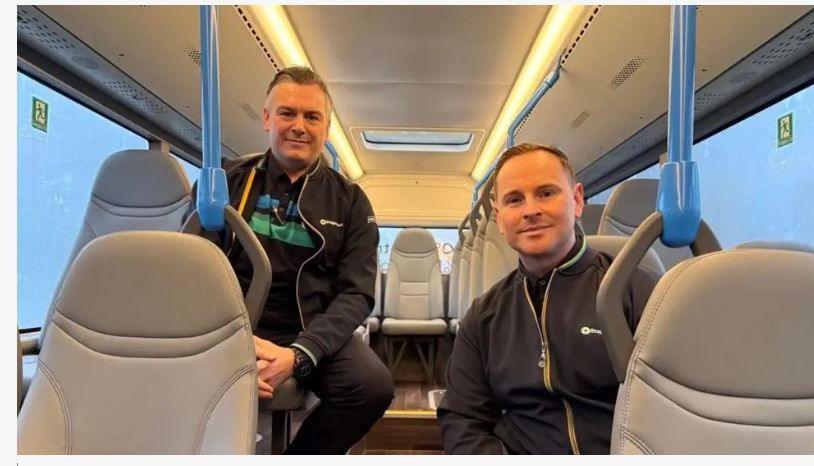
579	200
266	119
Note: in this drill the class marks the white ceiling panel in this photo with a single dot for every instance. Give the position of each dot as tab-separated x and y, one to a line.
616	81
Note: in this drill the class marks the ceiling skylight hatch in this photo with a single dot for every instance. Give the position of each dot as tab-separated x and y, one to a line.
417	141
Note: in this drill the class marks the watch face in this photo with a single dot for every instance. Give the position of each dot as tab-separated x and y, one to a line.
302	367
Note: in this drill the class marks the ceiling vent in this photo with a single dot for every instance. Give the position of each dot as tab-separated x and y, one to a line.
40	31
788	46
580	33
626	72
580	119
131	94
242	14
194	54
705	100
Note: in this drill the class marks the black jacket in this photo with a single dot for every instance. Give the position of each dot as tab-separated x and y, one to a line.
335	287
514	387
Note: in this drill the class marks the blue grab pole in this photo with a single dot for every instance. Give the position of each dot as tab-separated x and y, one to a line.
510	139
679	197
213	194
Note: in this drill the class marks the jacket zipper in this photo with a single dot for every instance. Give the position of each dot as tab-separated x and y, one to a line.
305	220
545	359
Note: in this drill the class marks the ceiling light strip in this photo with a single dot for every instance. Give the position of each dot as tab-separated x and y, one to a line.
276	27
561	20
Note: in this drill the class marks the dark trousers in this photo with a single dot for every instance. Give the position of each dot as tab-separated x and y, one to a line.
355	389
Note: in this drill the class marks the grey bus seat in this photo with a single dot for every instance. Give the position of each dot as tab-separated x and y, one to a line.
134	190
413	296
629	204
498	257
149	350
591	216
611	245
765	244
414	299
721	362
476	263
461	305
454	284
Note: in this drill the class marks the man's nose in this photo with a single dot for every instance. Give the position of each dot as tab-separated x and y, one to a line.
299	124
531	209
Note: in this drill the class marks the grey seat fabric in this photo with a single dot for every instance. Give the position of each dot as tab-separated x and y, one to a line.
19	371
611	245
413	295
788	245
591	216
476	262
149	351
463	282
454	285
498	257
629	204
134	190
721	363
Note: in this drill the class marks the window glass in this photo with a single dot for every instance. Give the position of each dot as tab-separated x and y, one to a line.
757	177
192	171
56	167
445	240
650	173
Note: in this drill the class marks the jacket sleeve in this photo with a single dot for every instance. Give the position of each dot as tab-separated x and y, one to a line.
469	413
353	284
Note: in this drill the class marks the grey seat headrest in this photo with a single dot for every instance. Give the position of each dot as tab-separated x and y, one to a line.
414	241
140	178
119	271
629	204
591	215
787	245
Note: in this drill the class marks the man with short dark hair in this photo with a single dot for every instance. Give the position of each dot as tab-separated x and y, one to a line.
529	372
320	234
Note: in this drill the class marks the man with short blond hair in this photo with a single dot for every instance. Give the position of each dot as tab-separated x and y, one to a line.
529	372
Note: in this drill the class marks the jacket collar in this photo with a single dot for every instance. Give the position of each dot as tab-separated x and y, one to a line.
577	260
275	170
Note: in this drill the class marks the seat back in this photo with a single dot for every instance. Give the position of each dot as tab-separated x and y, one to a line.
611	245
476	261
463	276
498	257
134	190
629	204
149	352
721	360
413	288
452	298
591	215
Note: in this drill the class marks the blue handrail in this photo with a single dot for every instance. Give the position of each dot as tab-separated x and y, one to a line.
510	139
334	156
679	197
213	194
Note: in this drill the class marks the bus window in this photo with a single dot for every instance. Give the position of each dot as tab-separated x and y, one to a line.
757	177
445	240
649	173
191	170
60	147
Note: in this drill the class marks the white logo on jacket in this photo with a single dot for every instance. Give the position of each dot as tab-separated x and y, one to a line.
589	330
324	222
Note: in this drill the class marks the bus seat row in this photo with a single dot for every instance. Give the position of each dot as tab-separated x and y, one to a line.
134	190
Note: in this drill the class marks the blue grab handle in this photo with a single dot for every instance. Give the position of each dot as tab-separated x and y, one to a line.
213	193
679	194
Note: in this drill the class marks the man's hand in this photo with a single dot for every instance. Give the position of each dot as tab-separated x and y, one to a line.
264	390
275	364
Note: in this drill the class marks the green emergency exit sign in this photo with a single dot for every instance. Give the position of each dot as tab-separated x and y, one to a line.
39	114
785	130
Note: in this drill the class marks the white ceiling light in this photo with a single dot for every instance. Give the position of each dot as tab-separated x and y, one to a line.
275	26
560	22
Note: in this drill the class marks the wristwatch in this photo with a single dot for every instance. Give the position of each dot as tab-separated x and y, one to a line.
303	365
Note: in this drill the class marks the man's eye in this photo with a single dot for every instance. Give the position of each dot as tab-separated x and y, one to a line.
513	200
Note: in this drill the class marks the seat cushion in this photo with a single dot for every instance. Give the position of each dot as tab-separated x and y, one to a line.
391	326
